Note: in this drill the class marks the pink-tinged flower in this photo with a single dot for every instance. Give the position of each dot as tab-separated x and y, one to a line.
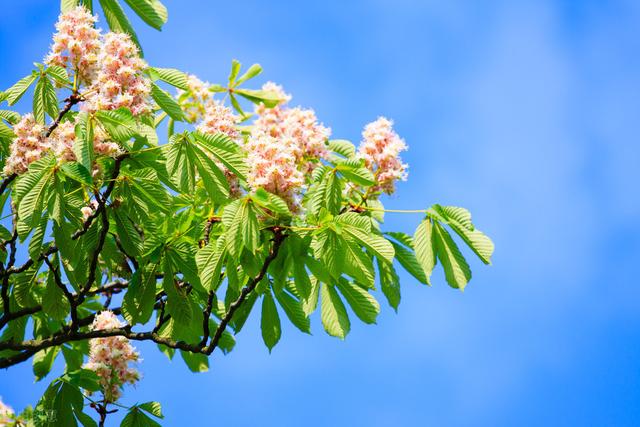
272	166
120	81
294	137
76	44
269	120
109	357
310	136
380	149
219	119
63	138
28	146
6	414
195	99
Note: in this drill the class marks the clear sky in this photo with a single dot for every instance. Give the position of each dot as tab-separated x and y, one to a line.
525	112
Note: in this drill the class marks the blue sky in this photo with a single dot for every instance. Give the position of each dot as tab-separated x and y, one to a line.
525	112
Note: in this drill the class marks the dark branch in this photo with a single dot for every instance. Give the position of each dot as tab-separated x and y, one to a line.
70	102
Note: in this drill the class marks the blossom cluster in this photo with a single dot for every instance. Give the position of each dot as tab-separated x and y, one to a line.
380	148
6	414
110	66
31	144
109	357
285	145
196	99
76	44
120	81
219	119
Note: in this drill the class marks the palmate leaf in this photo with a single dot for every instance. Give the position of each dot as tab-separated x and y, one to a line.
270	321
138	302
54	303
342	147
83	144
151	11
210	260
359	228
456	269
180	166
178	304
334	315
15	92
406	257
390	283
44	100
294	310
33	188
425	247
120	124
213	178
137	418
242	229
167	103
459	219
225	150
363	304
172	76
118	21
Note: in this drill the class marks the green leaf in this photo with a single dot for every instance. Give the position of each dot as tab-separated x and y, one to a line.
268	98
43	362
425	247
118	21
54	302
77	172
456	269
356	172
178	304
354	225
67	5
83	144
44	100
253	71
180	166
10	116
210	260
172	76
235	69
334	315
459	219
153	408
363	304
138	302
270	321
59	74
136	418
294	311
15	92
342	147
167	103
195	362
407	258
390	283
148	11
33	190
225	150
120	123
242	227
83	378
271	202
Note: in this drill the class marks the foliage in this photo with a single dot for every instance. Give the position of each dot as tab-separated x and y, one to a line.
179	233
